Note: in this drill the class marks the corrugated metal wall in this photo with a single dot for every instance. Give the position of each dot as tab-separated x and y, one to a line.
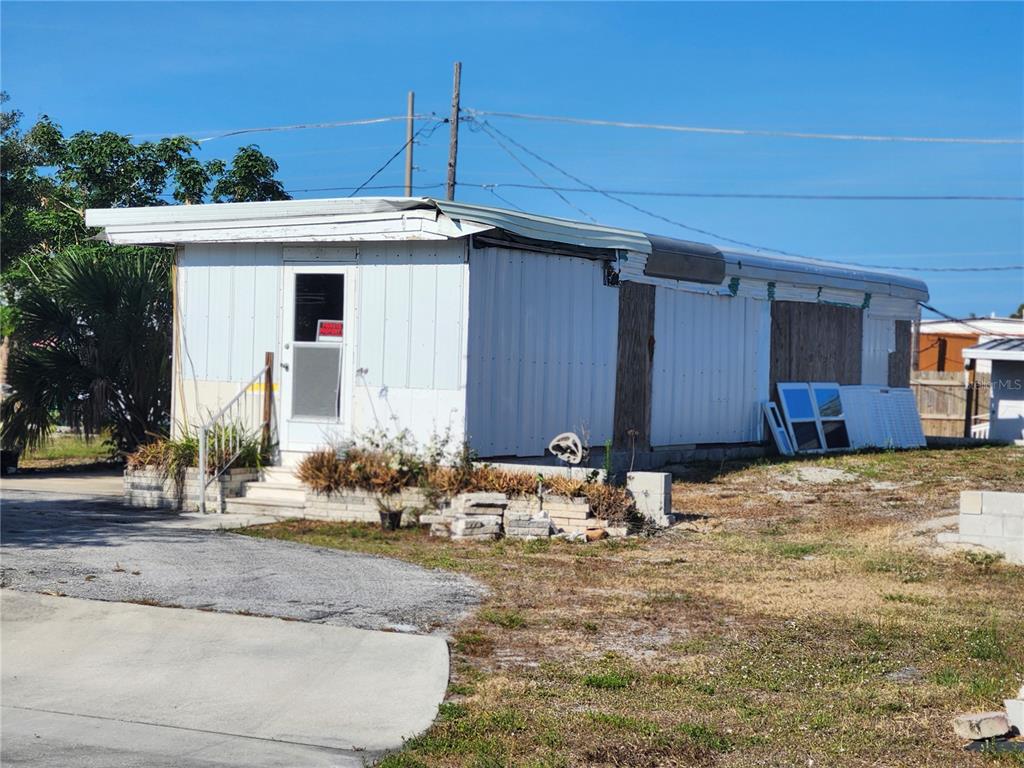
879	341
542	344
711	365
411	338
228	299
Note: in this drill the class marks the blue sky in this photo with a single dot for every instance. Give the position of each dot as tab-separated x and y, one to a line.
923	69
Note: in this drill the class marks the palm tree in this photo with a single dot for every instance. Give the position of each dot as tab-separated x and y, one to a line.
92	346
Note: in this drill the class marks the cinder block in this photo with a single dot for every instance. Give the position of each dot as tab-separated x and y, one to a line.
1002	503
981	525
970	502
653	494
1015	712
1013	527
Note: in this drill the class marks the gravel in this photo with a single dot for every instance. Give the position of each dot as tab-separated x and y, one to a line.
95	548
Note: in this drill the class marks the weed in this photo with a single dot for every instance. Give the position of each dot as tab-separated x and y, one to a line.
899	597
985	644
504	619
705	738
609	680
983	561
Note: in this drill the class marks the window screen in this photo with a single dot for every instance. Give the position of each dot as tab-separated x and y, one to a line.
317	297
316	381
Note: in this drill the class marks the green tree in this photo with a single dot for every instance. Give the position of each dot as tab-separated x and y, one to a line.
250	179
1019	313
89	325
92	347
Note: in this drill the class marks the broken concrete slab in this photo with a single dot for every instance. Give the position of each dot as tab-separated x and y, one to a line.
981	725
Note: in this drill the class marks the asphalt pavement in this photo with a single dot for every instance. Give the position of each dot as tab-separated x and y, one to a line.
107	662
91	547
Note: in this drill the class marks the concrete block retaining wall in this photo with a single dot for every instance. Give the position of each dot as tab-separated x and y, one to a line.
994	520
151	488
359	506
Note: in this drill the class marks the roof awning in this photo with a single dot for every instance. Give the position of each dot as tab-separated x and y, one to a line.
1002	348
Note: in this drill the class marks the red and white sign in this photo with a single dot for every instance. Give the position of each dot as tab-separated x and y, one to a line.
330	330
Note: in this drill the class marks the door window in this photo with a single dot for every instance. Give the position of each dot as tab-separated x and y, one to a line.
317	351
318	297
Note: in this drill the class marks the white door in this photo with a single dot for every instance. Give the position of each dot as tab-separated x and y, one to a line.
317	322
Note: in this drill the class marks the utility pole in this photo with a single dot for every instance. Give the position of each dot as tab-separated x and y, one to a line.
453	142
408	144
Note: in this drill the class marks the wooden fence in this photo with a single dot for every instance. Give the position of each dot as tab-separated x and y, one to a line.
942	400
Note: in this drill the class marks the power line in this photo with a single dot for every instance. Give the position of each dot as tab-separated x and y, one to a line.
471	113
751	195
399	151
485	125
493	191
960	320
714	235
313	126
486	128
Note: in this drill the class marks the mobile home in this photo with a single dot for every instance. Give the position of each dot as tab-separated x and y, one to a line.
504	328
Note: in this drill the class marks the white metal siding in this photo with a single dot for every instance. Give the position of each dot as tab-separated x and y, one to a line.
542	347
228	299
411	339
879	341
711	366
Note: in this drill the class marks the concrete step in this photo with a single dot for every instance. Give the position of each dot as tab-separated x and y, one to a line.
277	509
274	491
283	475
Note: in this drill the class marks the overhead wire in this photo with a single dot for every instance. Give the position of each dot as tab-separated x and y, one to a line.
391	159
487	130
489	127
473	113
313	126
753	195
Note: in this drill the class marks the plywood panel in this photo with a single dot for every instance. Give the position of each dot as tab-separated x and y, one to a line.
815	342
634	364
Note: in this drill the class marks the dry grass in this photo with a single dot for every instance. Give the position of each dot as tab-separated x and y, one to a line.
802	626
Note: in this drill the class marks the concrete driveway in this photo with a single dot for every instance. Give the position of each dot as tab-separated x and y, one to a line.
102	682
91	683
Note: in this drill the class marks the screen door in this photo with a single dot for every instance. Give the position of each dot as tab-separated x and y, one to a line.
313	356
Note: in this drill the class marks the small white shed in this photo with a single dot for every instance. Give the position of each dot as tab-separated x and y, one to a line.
1006	406
504	328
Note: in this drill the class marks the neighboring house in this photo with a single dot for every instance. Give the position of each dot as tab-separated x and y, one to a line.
1006	406
504	328
941	342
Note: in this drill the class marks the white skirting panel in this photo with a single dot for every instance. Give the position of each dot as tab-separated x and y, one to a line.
542	344
711	367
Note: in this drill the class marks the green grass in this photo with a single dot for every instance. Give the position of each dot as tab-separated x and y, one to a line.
64	448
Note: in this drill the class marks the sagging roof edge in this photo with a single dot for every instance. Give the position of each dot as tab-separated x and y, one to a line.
667	257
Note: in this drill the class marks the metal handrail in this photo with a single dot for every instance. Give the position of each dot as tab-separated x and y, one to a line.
226	427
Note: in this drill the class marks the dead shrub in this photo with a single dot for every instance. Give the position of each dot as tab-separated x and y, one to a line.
566	486
611	503
323	472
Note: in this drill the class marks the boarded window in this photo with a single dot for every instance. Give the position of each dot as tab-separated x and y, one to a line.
815	342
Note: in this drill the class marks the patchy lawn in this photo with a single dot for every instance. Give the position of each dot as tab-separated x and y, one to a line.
66	450
797	620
